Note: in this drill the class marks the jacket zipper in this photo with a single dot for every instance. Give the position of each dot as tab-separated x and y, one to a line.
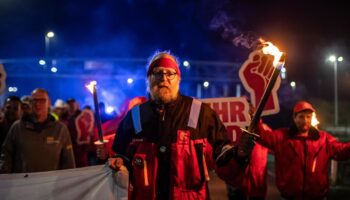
163	118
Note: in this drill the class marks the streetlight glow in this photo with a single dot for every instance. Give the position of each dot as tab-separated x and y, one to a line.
292	84
50	34
12	89
334	59
53	69
42	62
186	63
206	84
130	80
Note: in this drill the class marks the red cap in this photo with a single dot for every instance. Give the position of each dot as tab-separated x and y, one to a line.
165	60
301	106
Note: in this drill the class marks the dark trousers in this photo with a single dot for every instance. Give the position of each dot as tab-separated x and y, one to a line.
236	194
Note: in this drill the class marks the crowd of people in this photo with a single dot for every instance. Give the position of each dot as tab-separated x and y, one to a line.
35	136
168	143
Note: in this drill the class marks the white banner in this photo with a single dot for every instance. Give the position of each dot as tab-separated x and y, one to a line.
96	182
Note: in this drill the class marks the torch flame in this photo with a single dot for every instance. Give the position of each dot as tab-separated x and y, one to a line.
91	85
314	121
271	49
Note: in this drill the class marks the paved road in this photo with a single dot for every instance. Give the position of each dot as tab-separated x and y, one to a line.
218	191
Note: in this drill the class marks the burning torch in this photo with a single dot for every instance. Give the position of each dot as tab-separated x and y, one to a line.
314	120
92	89
278	63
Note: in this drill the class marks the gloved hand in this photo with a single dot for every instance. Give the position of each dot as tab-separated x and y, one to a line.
245	145
224	154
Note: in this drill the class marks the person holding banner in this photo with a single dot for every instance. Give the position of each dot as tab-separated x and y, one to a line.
168	142
302	154
37	142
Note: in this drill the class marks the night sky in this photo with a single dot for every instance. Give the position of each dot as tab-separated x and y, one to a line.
200	30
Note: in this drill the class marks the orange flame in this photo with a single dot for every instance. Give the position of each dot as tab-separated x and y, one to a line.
271	49
91	86
314	121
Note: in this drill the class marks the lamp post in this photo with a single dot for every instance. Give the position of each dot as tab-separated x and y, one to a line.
48	36
334	59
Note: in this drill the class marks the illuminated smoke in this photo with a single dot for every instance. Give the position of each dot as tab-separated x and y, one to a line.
230	30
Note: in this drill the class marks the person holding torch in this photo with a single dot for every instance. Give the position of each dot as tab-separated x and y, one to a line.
259	75
302	154
167	142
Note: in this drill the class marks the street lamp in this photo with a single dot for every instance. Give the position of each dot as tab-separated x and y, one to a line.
48	36
334	59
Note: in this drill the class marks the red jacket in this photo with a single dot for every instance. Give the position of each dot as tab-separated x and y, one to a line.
301	163
250	180
189	169
168	153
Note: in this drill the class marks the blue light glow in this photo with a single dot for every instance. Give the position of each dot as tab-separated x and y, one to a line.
186	63
130	80
53	69
42	62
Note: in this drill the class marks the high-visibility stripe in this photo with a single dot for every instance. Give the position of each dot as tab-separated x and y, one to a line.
205	168
194	113
135	114
314	165
145	172
192	121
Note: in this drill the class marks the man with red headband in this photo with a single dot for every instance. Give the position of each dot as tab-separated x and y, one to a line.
167	141
302	155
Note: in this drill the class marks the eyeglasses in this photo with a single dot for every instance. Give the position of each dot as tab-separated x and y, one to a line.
159	75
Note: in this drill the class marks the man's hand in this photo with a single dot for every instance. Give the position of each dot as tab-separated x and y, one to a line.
115	163
101	151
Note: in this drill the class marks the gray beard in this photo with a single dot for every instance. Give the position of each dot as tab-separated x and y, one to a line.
164	97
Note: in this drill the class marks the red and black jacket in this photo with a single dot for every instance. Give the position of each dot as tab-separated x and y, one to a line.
168	149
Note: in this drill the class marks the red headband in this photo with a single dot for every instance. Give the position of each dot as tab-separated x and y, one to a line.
164	62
